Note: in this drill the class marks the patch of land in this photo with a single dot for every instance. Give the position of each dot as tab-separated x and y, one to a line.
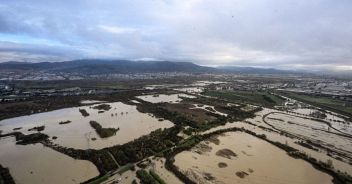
104	107
103	132
64	122
37	128
83	112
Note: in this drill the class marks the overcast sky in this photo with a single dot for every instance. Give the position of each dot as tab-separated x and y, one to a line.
290	34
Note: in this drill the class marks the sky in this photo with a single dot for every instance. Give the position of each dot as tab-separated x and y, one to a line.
285	34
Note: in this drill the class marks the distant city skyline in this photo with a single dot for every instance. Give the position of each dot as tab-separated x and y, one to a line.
289	34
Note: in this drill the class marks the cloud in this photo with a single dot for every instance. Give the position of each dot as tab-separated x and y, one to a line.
116	30
271	33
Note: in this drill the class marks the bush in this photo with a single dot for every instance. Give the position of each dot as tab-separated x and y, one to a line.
146	178
157	177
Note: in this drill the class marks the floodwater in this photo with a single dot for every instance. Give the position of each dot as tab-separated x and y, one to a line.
337	122
204	107
310	129
160	98
79	133
207	83
86	102
158	166
193	90
32	164
257	160
343	166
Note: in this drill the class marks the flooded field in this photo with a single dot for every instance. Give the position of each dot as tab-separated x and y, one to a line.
310	129
237	157
32	164
174	98
158	166
274	135
335	120
78	133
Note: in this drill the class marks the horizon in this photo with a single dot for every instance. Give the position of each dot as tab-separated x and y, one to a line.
287	35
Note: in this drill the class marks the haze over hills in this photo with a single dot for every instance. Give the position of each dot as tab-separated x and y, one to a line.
106	66
98	66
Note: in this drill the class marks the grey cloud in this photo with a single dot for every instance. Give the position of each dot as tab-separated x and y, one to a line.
289	33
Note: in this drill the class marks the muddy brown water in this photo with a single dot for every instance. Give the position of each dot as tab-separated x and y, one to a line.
79	133
33	164
263	162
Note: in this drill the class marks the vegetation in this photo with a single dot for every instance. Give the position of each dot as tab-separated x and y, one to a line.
125	168
197	119
325	102
31	138
84	112
327	167
5	176
262	98
38	128
104	107
156	177
145	146
309	146
103	132
97	180
64	122
160	112
146	178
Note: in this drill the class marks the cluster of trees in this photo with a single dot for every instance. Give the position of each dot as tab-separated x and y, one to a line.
31	138
103	132
101	158
64	122
104	107
235	113
268	99
5	176
146	146
37	128
84	112
149	178
160	112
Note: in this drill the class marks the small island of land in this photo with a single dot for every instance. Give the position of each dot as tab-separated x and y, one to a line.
104	107
84	112
103	132
64	122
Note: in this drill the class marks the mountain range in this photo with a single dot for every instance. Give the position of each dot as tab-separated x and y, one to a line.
98	66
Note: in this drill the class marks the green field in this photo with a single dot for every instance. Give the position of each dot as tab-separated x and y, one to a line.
263	98
324	102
